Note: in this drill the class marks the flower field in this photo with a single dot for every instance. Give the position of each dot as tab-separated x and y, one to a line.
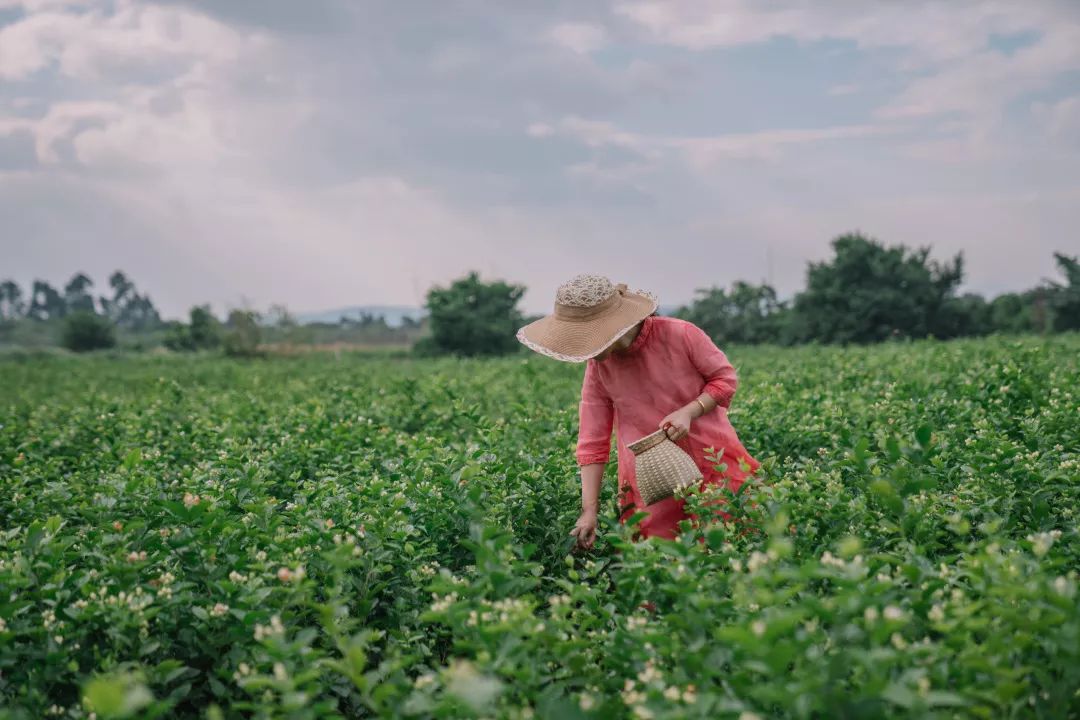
323	537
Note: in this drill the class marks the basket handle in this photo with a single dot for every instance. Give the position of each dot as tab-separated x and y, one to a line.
665	427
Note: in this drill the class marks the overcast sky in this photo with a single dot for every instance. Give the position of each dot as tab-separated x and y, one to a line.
335	152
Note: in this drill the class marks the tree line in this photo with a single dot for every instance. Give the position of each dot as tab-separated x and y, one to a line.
866	292
79	320
869	292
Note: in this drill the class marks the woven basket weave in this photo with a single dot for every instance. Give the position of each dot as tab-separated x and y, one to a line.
662	467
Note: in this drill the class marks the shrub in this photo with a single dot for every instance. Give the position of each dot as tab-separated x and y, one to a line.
85	331
472	317
243	334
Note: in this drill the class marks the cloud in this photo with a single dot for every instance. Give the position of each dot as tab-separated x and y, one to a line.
92	44
581	38
844	89
1061	119
704	152
328	153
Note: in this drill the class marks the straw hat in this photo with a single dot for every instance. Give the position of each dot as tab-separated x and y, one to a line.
590	314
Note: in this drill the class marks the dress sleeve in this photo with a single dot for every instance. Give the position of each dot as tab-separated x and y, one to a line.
597	416
712	363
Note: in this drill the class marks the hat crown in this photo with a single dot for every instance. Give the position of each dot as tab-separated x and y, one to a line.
585	291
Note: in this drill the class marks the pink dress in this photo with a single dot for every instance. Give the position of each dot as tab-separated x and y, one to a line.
670	363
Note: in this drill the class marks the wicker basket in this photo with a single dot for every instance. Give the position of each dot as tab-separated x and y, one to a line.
662	467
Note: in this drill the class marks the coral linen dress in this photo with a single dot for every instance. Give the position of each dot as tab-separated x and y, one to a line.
670	363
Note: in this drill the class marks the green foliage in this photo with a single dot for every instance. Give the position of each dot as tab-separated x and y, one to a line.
77	295
242	335
180	533
204	328
1066	298
472	317
85	331
747	314
127	308
203	332
45	302
869	292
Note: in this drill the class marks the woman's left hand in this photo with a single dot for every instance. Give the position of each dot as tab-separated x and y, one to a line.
677	424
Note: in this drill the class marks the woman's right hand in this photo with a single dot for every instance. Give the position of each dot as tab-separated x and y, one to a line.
585	530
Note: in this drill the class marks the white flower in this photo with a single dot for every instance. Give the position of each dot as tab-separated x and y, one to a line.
284	574
747	715
870	614
756	561
736	564
3	625
893	613
279	672
274	628
649	674
827	558
190	500
898	641
643	712
758	627
586	702
1042	542
422	681
1063	587
219	609
937	613
671	693
261	556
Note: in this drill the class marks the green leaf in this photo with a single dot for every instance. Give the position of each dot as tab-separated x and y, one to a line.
132	459
900	695
116	696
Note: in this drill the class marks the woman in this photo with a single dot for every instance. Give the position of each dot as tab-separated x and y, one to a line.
643	372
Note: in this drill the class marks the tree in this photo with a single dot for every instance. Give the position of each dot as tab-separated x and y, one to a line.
204	328
965	316
127	307
243	335
202	333
472	317
122	289
746	314
12	306
84	331
1065	299
77	297
869	292
45	302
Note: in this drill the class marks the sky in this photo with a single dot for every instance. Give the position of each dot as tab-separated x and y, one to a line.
328	153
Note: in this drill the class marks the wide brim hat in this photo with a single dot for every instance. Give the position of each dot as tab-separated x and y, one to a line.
590	314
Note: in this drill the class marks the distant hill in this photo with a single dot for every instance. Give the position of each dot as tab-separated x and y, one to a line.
394	314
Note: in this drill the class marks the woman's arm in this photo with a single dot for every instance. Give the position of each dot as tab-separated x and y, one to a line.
679	421
596	418
719	374
585	530
596	421
719	377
